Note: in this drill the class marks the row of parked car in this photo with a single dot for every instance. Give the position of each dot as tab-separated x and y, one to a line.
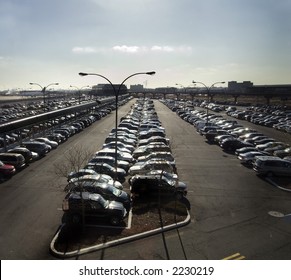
143	157
264	154
279	119
21	153
27	107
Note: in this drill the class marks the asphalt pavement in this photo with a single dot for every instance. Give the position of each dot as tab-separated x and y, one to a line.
229	204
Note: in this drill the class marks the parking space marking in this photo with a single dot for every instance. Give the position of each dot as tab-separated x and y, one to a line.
129	219
236	256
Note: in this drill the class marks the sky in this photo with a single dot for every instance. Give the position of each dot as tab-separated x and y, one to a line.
51	41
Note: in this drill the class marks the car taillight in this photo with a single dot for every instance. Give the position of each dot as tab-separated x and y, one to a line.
65	205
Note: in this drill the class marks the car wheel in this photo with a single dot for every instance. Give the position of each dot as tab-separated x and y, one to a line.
114	221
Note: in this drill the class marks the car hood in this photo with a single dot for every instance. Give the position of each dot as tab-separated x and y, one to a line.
118	185
7	167
124	196
182	185
115	205
120	171
135	168
122	162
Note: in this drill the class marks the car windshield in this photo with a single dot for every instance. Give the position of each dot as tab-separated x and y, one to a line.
169	176
114	190
103	180
103	201
170	181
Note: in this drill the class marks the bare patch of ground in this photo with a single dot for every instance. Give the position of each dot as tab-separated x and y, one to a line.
146	216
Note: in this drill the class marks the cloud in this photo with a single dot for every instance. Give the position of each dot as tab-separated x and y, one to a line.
127	49
84	50
163	48
155	48
134	49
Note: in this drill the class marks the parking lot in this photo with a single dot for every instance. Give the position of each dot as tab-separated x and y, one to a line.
230	204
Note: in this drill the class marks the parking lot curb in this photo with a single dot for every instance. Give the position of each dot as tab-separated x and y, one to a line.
116	242
276	185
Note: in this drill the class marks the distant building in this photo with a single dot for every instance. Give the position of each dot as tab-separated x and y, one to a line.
107	90
169	90
234	86
136	88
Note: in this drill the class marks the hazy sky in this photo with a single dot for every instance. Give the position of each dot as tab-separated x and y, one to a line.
47	41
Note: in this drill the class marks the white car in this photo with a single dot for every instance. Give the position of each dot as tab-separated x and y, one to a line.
102	178
145	167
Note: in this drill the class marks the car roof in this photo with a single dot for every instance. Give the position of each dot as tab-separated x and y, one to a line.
264	158
87	196
11	154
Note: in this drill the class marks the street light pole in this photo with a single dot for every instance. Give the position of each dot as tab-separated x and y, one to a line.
185	89
43	89
116	92
208	93
181	87
79	91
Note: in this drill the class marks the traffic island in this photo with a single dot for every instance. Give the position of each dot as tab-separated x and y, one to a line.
145	219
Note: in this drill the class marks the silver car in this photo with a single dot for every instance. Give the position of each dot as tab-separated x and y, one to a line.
270	165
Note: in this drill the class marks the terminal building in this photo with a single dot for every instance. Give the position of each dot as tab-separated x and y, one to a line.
107	90
237	87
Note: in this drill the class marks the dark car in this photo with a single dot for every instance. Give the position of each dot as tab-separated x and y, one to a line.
104	168
283	153
41	148
272	166
231	145
211	134
108	191
94	205
245	150
59	138
17	160
111	161
279	147
154	185
64	132
23	151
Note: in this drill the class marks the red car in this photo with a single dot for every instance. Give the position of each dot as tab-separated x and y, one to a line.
6	170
